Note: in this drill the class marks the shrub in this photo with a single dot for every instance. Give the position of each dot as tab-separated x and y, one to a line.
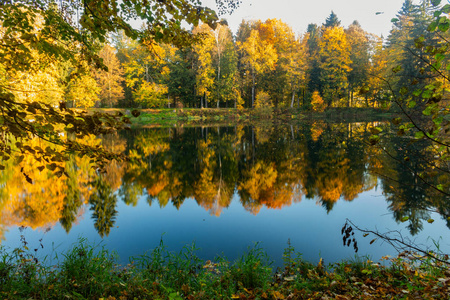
317	102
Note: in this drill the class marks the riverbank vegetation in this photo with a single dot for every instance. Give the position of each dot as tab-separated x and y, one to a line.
232	116
88	272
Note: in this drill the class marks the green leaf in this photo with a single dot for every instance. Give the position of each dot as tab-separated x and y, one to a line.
404	219
446	9
396	69
432	27
412	104
437	65
439	57
444	25
376	130
417	92
419	135
435	2
440	187
427	94
428	111
394	20
374	139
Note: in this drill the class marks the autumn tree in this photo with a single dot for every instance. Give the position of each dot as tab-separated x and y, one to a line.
110	80
317	102
205	69
147	73
376	93
284	80
225	62
360	57
82	91
259	56
334	64
48	29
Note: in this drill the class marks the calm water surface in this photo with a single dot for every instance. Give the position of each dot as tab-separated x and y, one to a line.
225	188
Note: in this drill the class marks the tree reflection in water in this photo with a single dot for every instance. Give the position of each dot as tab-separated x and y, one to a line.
269	166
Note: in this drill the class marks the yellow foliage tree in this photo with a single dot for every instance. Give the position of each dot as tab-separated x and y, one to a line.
334	63
259	56
110	80
83	91
317	102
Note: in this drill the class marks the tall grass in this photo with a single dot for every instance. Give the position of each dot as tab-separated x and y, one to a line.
92	272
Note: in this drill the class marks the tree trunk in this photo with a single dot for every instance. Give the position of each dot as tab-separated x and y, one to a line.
351	100
253	89
253	95
293	99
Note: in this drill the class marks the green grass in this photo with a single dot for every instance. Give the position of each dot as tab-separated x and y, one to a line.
89	272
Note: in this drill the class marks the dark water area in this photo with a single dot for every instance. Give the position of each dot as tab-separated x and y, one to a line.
225	188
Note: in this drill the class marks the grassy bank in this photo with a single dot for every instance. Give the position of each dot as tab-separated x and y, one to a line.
231	116
87	272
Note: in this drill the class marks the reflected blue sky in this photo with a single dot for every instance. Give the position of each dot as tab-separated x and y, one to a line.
312	231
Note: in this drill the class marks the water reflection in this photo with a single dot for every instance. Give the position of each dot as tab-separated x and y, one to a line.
271	166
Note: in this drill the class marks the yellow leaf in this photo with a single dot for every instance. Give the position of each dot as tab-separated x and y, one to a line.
277	295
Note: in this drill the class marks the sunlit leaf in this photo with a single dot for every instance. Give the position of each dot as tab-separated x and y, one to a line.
374	139
419	135
376	130
404	219
430	221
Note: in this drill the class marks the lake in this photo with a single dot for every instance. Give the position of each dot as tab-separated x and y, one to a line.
225	188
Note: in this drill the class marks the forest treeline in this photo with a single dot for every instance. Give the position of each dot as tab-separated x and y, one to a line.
265	64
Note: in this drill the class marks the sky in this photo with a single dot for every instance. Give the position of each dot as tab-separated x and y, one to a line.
299	13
